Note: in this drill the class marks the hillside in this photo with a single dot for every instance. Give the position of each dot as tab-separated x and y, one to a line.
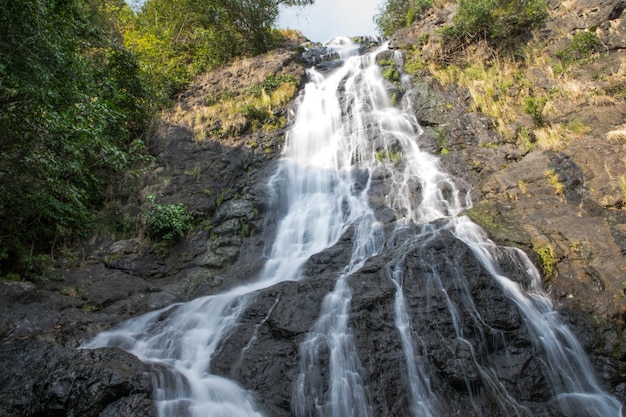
538	135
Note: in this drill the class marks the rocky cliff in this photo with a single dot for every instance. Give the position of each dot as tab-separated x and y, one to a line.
562	204
562	201
220	179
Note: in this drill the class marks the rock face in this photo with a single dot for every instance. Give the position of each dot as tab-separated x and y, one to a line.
222	182
564	206
580	229
43	379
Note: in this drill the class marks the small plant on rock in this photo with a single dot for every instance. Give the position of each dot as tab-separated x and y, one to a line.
547	261
580	49
555	182
168	222
534	106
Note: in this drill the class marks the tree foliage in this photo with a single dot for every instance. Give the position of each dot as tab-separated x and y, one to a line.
175	40
490	20
396	14
70	107
495	20
78	81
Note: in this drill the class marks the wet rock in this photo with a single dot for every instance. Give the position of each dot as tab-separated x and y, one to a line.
44	379
223	184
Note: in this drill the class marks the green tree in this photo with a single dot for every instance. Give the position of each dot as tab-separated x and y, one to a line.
396	14
71	106
77	83
492	20
392	16
175	40
495	20
255	19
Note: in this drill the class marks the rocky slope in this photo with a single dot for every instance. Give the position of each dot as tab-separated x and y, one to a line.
562	204
221	181
574	227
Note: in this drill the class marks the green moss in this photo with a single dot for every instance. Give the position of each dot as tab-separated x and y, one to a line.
414	65
441	139
386	63
90	308
394	98
244	230
485	215
390	156
220	198
392	74
547	261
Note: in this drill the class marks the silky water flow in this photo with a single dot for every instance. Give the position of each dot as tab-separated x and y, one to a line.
346	133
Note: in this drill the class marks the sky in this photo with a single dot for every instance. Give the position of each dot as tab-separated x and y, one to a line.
329	18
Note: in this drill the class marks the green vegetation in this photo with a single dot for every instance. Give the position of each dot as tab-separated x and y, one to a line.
232	112
391	156
488	20
176	40
396	14
168	222
580	49
495	20
392	74
72	107
534	107
79	81
547	261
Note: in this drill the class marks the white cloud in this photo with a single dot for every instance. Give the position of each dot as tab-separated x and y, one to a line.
329	18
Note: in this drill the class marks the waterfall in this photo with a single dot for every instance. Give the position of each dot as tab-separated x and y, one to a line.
347	135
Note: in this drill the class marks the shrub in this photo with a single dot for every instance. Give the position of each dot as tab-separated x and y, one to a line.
392	74
580	48
495	20
168	221
418	8
547	261
392	16
534	106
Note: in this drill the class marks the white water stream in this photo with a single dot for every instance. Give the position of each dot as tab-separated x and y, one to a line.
346	132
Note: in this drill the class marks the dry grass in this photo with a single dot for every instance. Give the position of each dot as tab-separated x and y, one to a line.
505	89
283	94
551	138
495	90
230	113
602	100
555	181
555	137
618	135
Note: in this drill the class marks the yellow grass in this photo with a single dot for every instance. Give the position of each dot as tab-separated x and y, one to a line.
617	135
551	138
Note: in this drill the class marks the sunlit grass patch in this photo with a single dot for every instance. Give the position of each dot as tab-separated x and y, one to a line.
551	138
229	113
617	135
555	181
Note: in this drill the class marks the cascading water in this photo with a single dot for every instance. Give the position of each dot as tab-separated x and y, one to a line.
346	135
